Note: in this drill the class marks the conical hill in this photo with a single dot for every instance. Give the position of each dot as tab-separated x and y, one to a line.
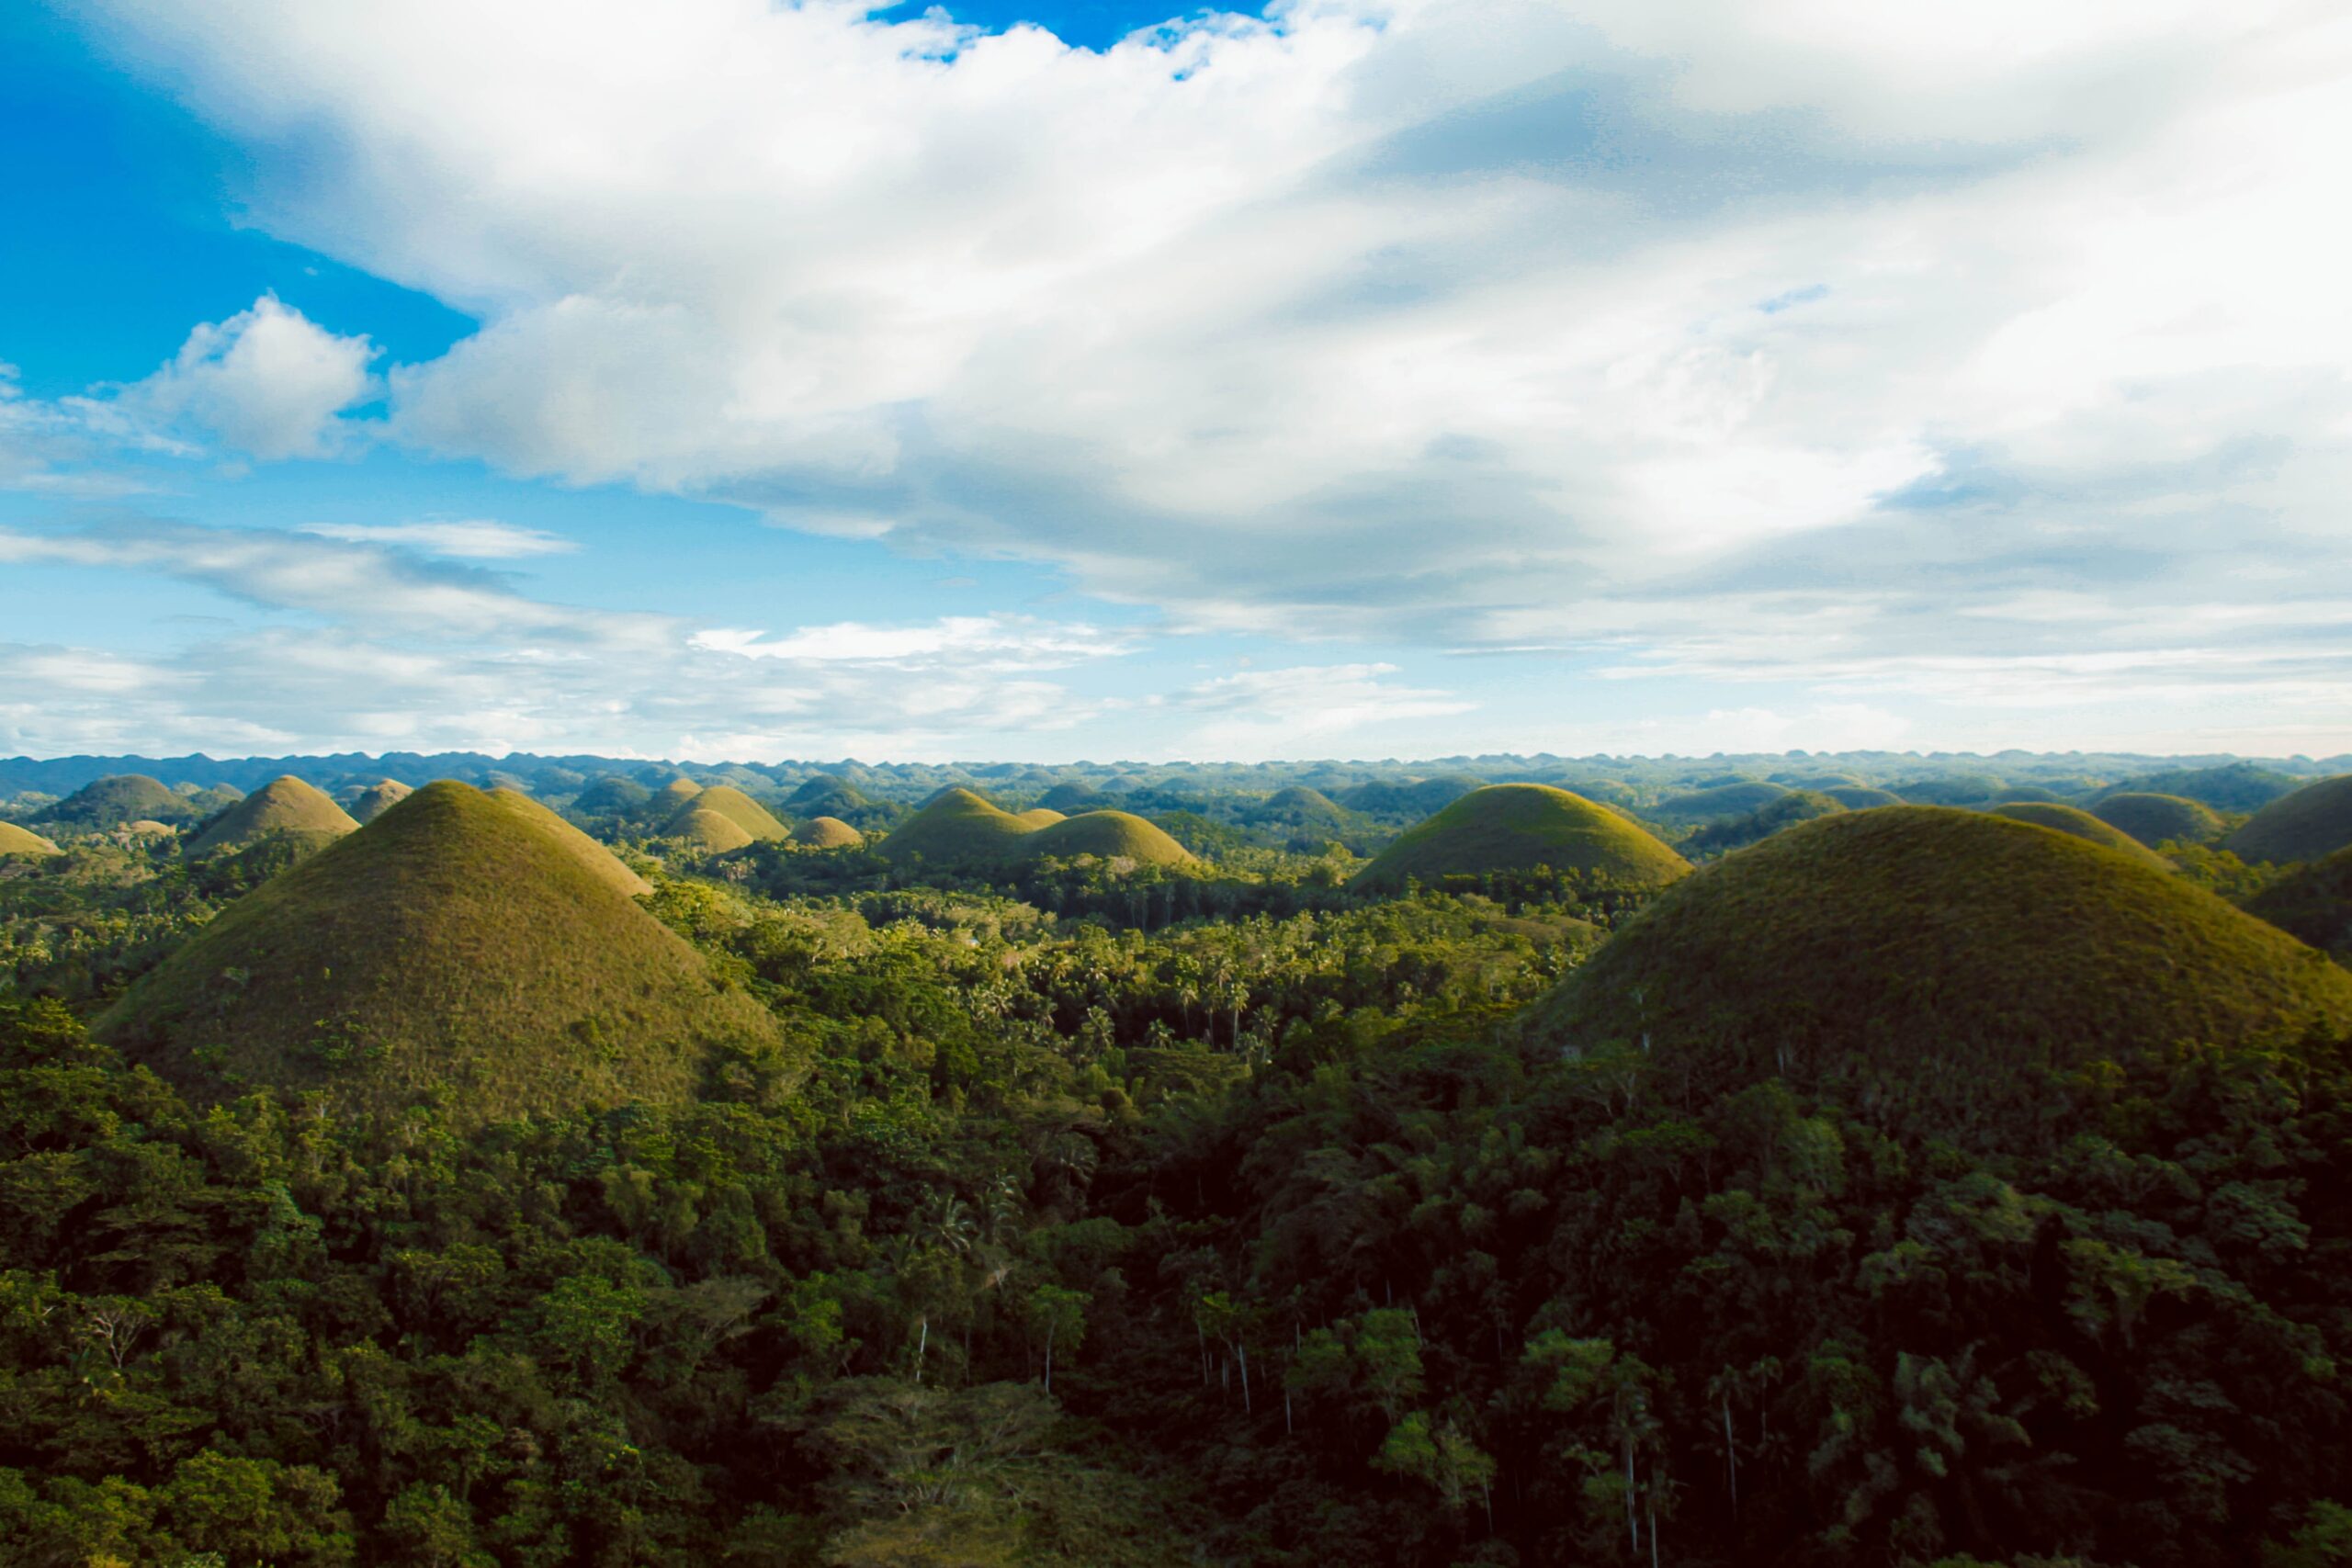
377	798
2080	824
455	946
24	843
591	857
748	815
1111	835
957	826
2156	819
674	794
283	807
123	797
2310	824
707	829
1503	829
1934	967
827	833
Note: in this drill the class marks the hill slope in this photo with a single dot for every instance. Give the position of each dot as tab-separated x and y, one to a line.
749	816
1861	797
957	826
1933	964
455	940
2157	819
1109	834
124	797
24	842
1516	827
827	833
591	857
1720	802
2313	905
286	805
376	799
707	829
2310	824
2077	823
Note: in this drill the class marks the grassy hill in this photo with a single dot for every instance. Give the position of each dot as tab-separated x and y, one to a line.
2081	824
726	801
1861	797
590	856
2314	904
1414	797
2310	824
1937	966
2237	786
453	944
286	807
707	829
376	799
613	796
123	797
673	795
957	827
1038	817
1516	827
1954	789
1109	834
1072	796
1726	834
1718	802
24	843
2157	819
827	833
822	790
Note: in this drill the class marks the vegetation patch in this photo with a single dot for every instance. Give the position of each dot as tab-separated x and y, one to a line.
2314	903
2159	819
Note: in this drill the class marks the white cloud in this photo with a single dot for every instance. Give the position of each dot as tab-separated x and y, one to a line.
268	383
1838	331
1260	714
466	539
986	642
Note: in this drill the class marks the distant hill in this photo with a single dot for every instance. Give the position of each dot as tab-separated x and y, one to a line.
285	807
827	833
1038	817
2314	904
1109	834
1505	829
1932	964
2157	819
826	792
1071	796
956	827
203	802
2310	824
1738	832
1861	797
125	798
2238	786
2079	823
1954	789
707	829
1717	802
673	794
749	816
613	796
454	941
1409	797
24	844
376	799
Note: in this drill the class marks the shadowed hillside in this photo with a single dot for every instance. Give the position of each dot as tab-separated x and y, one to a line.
2314	904
2156	819
1718	802
455	942
125	798
283	807
376	799
2080	824
2310	824
1506	828
1830	954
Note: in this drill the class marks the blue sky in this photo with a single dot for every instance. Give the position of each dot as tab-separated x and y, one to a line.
1372	377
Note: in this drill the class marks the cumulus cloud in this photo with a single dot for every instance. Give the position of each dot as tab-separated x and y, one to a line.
1259	714
268	383
1797	326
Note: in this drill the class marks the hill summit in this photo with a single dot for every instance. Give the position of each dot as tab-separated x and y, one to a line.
1502	829
956	825
122	797
827	833
2310	824
2075	822
1936	965
455	948
285	806
2157	819
377	798
751	821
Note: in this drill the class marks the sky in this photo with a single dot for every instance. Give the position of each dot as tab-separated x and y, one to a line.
728	379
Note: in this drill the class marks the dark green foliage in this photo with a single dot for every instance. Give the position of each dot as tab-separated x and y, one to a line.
2313	904
2156	821
613	796
2310	824
1952	789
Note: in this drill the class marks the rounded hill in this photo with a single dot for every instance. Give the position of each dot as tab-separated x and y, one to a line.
2313	904
1111	835
1719	801
957	826
124	797
376	799
613	796
286	807
1935	966
1039	816
1861	797
826	792
1508	828
2154	820
587	852
827	833
2310	824
453	948
674	794
24	843
749	816
707	829
2080	824
1073	796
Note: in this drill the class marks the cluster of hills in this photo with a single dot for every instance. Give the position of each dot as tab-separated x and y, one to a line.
961	829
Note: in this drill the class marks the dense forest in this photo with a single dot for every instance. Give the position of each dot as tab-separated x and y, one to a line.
1093	1213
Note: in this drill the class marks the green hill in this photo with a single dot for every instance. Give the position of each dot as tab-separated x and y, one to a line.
673	795
1504	829
613	796
725	800
1038	817
1072	796
590	856
1718	802
203	802
2082	825
2314	904
454	945
1409	797
1862	798
376	799
2238	786
2310	824
1934	966
1726	834
826	794
1952	789
2157	819
827	833
285	806
24	843
1111	835
956	827
707	829
124	797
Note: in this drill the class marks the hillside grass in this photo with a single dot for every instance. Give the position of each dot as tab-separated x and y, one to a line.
754	820
2309	825
2313	904
376	799
1861	797
2075	822
123	797
707	829
1111	835
2158	819
1517	827
591	857
1941	968
23	842
454	948
827	833
958	828
286	807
